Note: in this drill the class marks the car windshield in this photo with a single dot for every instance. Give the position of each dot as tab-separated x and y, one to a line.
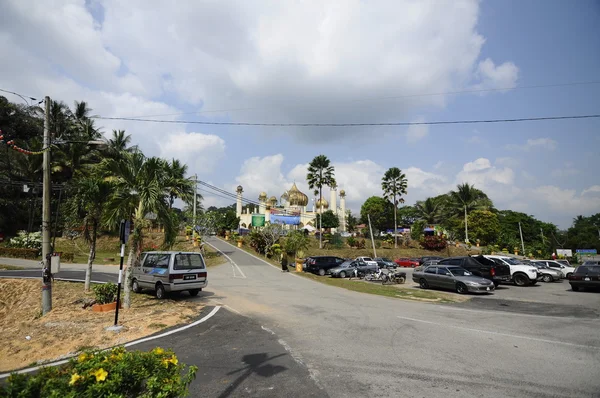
367	259
457	271
512	261
387	260
588	269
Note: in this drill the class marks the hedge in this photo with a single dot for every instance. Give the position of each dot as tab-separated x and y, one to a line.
19	253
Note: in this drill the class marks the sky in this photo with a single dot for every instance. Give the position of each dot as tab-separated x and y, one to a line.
333	61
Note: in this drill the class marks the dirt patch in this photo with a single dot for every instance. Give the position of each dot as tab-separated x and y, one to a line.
68	328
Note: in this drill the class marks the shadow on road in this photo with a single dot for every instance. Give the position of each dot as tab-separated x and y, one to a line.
255	364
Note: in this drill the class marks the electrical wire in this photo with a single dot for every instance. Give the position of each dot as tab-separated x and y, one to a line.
23	96
433	123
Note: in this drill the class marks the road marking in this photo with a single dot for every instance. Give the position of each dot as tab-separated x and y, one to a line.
61	362
56	279
233	264
495	313
514	336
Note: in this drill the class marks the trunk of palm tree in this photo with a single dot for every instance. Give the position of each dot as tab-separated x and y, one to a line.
395	224
91	257
321	218
128	270
466	228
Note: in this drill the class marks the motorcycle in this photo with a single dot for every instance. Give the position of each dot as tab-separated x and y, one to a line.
375	275
393	277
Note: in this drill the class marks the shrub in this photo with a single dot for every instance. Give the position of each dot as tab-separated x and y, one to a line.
19	253
351	241
435	242
336	241
105	293
25	240
67	256
150	247
113	373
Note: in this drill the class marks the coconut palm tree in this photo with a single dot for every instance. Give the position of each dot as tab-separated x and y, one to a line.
140	187
394	185
429	210
120	142
467	198
176	183
320	173
86	206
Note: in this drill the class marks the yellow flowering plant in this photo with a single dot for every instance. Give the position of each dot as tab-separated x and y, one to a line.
110	373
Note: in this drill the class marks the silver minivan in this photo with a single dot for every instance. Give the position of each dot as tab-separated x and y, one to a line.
170	271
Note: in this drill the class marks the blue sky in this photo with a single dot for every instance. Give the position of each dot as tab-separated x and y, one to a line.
328	61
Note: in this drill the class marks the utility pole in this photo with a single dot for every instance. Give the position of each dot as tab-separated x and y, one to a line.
195	197
372	240
46	191
543	239
521	233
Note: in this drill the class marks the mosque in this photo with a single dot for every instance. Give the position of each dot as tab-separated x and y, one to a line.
291	209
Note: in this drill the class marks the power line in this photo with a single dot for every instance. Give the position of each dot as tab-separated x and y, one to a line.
514	120
23	96
385	98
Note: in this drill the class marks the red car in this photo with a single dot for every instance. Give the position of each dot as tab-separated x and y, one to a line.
407	262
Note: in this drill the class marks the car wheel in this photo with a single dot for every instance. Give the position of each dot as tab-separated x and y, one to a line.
321	272
160	291
342	274
412	266
569	275
547	278
135	286
423	284
520	280
575	288
461	288
533	282
194	292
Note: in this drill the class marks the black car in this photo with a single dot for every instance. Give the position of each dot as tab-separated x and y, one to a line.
481	266
322	264
424	259
385	263
585	276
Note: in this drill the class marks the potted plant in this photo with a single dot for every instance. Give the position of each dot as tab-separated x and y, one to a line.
240	241
227	235
188	232
477	242
516	250
106	296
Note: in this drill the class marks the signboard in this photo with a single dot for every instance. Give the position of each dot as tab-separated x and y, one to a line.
288	220
587	252
125	230
258	220
564	252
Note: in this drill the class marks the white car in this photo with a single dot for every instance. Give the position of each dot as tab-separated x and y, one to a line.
367	260
567	271
521	274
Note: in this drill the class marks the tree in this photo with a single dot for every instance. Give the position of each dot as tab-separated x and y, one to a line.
467	198
330	219
139	188
320	173
295	242
429	210
484	226
380	210
584	233
407	215
351	221
177	184
394	185
86	208
119	143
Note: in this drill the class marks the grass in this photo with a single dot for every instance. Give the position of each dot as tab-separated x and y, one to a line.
10	267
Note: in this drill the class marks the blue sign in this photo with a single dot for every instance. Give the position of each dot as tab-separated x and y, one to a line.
587	251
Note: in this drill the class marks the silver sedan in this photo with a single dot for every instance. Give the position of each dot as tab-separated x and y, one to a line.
452	278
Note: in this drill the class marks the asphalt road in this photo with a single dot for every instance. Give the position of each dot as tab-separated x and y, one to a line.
362	345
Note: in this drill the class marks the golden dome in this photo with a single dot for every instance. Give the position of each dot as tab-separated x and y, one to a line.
284	197
273	200
342	193
296	198
322	202
240	189
262	196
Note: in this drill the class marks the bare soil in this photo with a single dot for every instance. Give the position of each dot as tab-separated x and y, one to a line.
68	328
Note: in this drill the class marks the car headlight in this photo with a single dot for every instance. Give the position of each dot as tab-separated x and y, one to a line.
472	283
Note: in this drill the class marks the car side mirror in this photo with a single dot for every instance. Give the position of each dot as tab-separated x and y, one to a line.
448	274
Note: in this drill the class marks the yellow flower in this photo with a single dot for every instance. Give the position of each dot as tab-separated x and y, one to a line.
172	360
74	378
82	357
100	374
158	351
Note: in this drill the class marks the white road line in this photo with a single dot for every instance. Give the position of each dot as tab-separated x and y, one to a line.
63	361
39	277
514	336
495	313
233	264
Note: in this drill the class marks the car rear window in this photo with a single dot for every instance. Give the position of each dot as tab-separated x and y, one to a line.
588	269
188	261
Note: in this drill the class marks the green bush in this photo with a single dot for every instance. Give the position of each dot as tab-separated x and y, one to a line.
105	293
351	241
19	253
114	373
336	241
435	242
67	257
25	240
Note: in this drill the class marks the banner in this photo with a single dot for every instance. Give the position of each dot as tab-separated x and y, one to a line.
564	252
258	220
288	220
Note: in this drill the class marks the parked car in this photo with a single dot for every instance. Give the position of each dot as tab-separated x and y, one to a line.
564	262
424	259
344	270
591	262
384	262
452	278
521	274
365	267
170	271
407	262
367	260
426	264
322	264
548	274
586	277
556	265
480	266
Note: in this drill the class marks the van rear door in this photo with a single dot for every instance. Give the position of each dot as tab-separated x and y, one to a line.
188	269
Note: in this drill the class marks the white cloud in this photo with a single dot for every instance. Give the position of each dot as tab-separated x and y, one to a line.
591	190
566	171
566	202
200	152
535	144
496	182
417	132
497	77
507	161
479	164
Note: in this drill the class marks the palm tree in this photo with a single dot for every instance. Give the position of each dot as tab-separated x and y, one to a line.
467	198
394	184
139	188
87	205
120	142
429	210
320	173
177	184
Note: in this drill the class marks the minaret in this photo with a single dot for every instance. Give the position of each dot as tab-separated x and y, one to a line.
343	210
238	204
333	199
262	200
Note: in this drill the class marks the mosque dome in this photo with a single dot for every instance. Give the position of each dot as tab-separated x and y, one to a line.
262	196
322	202
284	197
342	193
240	189
296	198
273	200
